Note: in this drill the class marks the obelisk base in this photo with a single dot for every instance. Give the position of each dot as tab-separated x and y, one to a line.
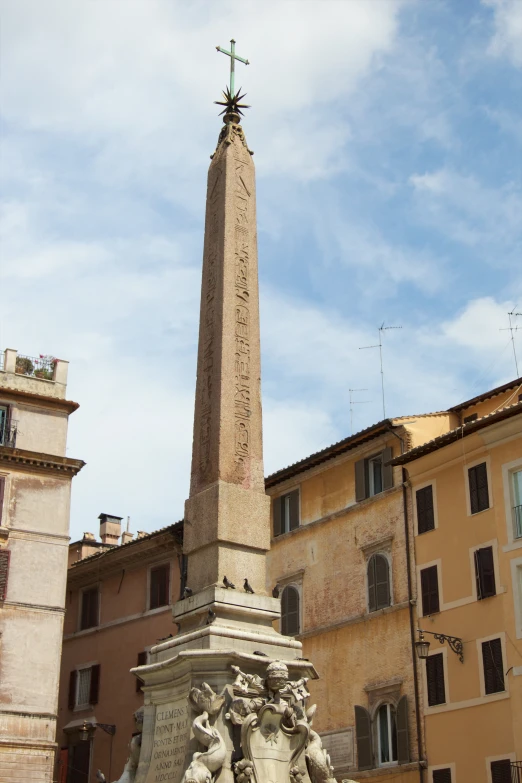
203	706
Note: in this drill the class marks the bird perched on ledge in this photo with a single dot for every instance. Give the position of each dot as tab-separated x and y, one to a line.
228	585
187	592
247	588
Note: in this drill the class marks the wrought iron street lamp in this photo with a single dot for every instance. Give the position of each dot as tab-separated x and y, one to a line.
454	643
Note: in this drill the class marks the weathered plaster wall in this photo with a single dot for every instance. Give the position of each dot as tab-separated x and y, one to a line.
40	430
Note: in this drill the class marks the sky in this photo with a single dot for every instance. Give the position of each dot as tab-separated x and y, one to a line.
388	152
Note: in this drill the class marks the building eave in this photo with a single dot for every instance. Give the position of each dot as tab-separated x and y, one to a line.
486	395
457	434
68	406
39	462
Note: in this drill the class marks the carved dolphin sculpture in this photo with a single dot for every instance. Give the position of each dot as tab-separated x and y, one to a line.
318	761
203	765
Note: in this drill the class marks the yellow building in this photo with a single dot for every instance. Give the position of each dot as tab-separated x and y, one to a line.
465	504
339	560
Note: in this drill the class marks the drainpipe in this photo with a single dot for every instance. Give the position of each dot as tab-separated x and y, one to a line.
405	479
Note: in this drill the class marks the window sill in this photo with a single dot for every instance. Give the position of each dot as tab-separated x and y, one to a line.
381	771
482	511
513	545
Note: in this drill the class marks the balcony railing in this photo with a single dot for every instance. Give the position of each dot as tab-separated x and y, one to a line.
36	367
8	434
517	524
516	772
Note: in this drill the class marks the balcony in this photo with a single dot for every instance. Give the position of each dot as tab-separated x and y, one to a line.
8	434
516	769
36	367
517	525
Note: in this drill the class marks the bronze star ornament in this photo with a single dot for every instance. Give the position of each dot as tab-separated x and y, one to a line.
231	102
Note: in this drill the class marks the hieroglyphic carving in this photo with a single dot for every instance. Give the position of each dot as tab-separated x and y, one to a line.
242	391
209	315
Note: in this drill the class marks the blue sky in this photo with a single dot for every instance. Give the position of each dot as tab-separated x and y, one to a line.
388	152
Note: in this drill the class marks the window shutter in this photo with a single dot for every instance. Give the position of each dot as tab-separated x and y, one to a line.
142	660
429	590
71	702
361	480
2	491
159	586
442	775
435	679
493	666
387	470
501	771
94	690
382	581
425	513
290	611
276	511
363	732
485	572
372	580
294	509
478	488
403	744
5	555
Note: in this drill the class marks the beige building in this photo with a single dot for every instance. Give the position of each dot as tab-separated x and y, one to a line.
465	504
119	604
35	487
340	561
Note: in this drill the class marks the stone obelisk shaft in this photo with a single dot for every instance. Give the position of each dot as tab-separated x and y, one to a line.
227	513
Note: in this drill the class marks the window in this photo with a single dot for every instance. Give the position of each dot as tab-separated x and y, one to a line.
378	583
5	554
387	732
286	512
441	775
290	621
517	503
435	679
425	511
501	771
485	572
84	687
493	666
159	586
478	488
470	418
373	475
7	427
90	609
430	590
2	491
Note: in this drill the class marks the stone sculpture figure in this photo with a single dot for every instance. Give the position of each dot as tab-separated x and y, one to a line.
131	765
204	765
318	761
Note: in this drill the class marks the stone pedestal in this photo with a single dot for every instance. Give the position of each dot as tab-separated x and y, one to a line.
205	694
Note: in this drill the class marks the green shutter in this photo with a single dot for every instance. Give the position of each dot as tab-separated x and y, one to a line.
294	509
387	470
276	511
363	733
403	744
361	480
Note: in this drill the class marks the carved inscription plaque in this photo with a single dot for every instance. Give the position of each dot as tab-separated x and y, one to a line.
339	745
169	747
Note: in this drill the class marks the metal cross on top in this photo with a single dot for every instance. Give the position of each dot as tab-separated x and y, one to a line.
233	57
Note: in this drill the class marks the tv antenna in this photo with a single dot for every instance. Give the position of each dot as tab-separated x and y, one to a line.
512	329
355	402
382	328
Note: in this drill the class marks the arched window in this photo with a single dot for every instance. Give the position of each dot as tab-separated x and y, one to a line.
382	736
290	611
386	734
378	583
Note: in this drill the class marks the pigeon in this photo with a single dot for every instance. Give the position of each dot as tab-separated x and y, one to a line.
228	584
275	591
211	616
247	587
187	592
100	777
258	652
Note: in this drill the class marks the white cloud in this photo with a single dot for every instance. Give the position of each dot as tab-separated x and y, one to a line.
507	38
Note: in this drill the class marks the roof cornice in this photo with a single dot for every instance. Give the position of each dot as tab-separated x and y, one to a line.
486	395
68	406
39	462
457	434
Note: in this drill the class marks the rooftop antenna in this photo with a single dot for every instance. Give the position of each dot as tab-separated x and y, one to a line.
382	328
128	524
355	402
512	329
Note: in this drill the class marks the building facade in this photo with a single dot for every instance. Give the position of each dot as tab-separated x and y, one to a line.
465	503
341	562
35	487
119	603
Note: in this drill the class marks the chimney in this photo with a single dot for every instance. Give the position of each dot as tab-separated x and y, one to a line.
110	529
127	535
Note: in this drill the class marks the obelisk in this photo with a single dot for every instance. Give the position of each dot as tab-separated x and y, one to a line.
227	680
